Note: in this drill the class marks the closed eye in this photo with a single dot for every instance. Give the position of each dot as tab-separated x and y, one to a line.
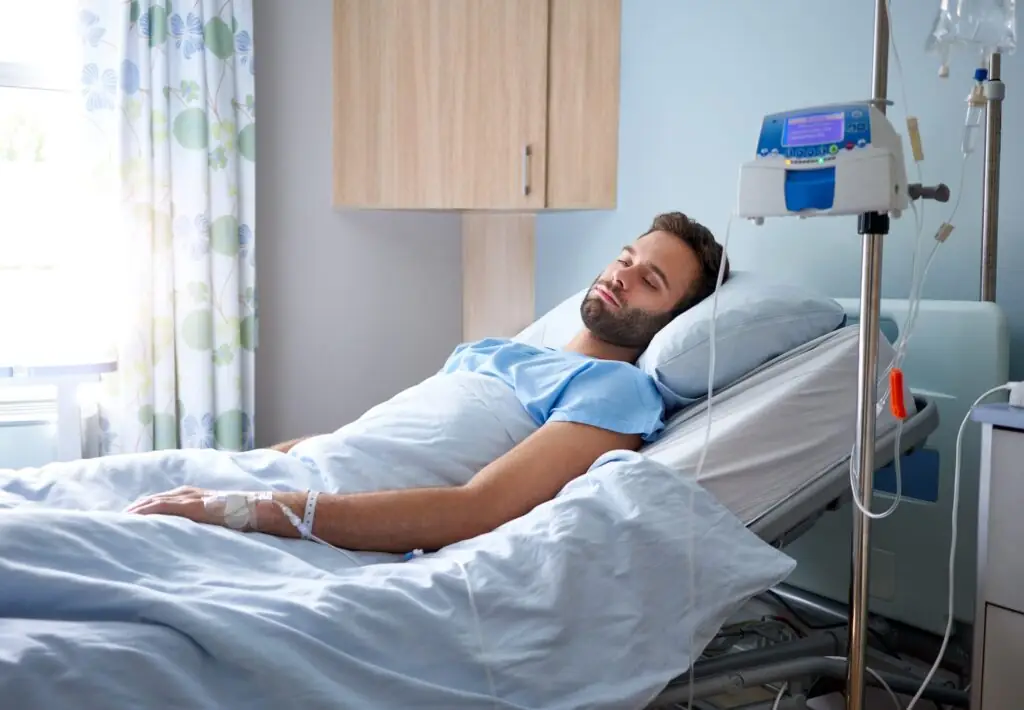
655	283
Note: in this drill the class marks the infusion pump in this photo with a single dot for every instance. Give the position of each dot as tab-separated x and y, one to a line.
842	159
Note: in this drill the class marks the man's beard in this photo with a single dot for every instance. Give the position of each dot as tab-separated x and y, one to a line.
623	327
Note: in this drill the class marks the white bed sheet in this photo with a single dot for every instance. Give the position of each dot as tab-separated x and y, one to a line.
778	428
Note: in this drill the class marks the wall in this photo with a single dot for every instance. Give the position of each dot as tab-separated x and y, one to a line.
698	76
354	306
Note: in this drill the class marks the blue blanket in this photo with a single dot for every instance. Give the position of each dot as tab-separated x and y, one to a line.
591	600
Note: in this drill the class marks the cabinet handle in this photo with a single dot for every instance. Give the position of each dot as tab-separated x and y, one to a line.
527	154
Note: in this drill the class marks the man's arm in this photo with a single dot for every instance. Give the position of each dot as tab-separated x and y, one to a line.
431	518
286	446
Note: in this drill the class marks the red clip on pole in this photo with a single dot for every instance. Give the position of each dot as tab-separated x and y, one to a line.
896	403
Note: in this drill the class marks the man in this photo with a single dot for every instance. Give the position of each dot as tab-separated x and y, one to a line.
587	399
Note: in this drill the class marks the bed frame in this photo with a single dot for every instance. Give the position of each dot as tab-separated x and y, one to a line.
804	662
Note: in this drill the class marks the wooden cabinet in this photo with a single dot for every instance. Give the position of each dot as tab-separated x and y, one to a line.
476	104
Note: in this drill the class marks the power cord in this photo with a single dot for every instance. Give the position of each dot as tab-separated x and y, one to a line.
1016	390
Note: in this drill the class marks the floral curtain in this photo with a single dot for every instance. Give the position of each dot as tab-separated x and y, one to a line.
168	96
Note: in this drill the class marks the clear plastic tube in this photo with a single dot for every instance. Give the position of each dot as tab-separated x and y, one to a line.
975	113
972	129
915	296
855	480
691	517
918	278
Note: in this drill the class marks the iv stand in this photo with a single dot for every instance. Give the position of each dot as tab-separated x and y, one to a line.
994	92
873	226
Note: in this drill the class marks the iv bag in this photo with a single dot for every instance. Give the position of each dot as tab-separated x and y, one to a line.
980	26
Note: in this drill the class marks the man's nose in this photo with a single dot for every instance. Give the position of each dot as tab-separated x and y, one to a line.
622	278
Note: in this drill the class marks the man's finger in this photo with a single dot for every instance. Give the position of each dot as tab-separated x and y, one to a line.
165	506
179	493
154	507
140	503
191	508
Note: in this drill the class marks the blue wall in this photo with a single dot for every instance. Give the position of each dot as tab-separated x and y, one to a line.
698	75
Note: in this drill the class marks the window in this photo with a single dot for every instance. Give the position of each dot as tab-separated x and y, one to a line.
51	263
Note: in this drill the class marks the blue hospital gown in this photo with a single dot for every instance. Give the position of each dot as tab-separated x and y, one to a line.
560	386
489	396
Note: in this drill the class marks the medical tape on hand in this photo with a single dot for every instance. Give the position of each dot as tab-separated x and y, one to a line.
235	509
238	510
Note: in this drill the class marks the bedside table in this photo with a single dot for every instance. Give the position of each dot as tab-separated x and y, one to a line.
997	677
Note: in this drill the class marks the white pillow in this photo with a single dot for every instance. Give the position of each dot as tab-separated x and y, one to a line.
756	319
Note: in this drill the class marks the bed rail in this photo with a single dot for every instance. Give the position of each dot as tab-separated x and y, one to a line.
788	519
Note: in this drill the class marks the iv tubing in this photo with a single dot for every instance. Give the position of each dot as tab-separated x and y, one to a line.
707	429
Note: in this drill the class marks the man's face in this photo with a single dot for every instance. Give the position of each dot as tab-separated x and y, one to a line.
635	296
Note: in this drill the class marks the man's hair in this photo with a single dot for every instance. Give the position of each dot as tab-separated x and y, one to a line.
709	254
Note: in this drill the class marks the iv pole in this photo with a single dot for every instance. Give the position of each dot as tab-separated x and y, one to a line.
873	226
994	92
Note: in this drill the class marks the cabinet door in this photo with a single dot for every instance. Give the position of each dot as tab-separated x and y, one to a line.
1004	567
1002	685
440	103
583	109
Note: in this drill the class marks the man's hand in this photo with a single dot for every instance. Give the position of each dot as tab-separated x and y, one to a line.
188	502
185	502
285	446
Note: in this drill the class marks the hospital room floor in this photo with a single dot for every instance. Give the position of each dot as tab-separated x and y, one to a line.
874	700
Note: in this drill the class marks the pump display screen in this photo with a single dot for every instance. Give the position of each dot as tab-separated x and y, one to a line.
814	129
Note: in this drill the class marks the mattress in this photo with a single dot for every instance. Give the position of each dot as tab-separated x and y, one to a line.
776	429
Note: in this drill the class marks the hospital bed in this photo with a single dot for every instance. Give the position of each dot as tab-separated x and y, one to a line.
820	378
779	446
